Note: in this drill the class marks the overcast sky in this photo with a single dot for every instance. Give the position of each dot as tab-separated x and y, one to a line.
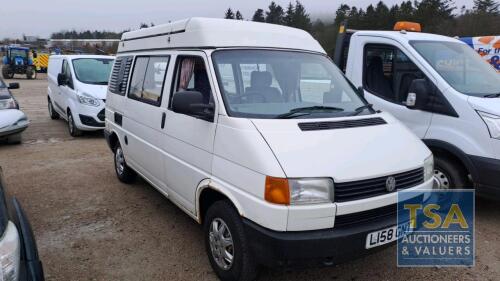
41	18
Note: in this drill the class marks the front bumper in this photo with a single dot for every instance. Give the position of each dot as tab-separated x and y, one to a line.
89	118
317	247
10	131
487	176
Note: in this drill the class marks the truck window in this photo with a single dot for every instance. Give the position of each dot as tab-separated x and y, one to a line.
191	75
388	72
148	79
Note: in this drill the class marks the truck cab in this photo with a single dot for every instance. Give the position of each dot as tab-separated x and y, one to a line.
440	89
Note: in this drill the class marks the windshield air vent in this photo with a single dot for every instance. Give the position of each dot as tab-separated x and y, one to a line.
318	126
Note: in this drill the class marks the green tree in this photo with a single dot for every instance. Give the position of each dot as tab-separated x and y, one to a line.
301	18
486	6
289	15
259	16
239	16
229	14
275	14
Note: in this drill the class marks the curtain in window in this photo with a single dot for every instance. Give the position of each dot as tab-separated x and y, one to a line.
187	70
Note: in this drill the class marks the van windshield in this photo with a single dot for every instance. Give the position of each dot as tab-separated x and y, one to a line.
269	84
461	67
92	70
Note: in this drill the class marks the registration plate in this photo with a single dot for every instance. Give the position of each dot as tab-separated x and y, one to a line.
385	236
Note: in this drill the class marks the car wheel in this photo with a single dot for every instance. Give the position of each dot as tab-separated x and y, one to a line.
73	130
124	173
226	244
449	175
52	113
15	139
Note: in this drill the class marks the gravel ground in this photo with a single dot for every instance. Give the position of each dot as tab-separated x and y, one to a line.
89	226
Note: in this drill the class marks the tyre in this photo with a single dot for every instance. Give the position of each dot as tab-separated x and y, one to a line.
15	139
52	113
30	72
7	72
449	175
124	173
73	130
226	244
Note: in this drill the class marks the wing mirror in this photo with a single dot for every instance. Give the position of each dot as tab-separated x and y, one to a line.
61	79
418	94
191	103
13	86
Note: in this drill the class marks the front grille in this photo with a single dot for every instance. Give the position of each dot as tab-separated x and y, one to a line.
89	121
333	125
355	190
101	115
367	216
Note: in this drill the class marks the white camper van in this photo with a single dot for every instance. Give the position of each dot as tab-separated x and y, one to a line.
441	90
253	131
77	90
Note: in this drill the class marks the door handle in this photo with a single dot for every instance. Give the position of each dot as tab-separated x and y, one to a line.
118	119
163	117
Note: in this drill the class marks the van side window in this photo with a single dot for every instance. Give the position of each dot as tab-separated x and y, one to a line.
191	75
388	72
66	71
148	79
120	74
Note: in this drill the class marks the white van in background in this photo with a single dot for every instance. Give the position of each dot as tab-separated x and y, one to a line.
440	89
77	90
231	120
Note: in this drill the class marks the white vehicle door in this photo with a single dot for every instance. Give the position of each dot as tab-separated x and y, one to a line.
67	90
388	71
144	118
189	140
55	67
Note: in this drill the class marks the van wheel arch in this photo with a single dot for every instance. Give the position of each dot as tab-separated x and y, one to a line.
208	196
113	141
448	151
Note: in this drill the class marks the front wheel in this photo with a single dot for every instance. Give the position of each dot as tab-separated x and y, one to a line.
226	244
449	175
73	130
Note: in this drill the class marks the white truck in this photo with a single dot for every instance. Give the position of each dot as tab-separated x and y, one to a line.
441	89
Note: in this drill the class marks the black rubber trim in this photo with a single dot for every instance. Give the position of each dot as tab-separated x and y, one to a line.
488	178
154	35
29	250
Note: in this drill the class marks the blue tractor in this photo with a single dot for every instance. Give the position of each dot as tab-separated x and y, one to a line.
18	60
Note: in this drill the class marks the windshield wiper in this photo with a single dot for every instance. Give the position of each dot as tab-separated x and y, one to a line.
492	95
362	108
306	111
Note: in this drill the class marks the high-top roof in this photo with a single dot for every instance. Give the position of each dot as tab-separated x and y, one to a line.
218	33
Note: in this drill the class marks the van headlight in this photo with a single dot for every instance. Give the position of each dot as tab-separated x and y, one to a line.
429	168
302	191
23	121
9	254
492	122
8	104
86	99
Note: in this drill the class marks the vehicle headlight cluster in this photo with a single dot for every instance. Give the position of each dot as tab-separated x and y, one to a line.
86	99
8	104
9	254
301	191
429	168
492	122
